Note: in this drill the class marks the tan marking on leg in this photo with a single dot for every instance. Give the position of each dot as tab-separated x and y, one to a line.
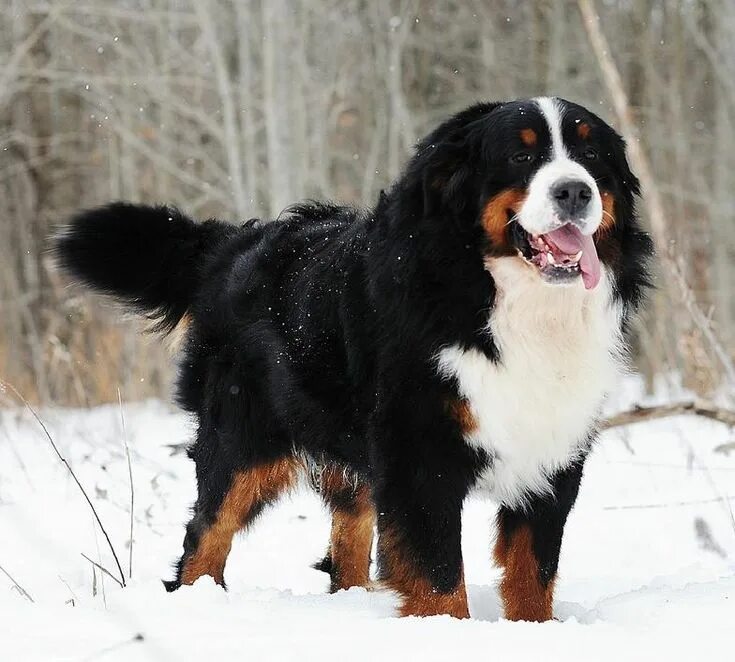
334	479
248	491
495	215
351	542
525	598
528	137
500	551
420	598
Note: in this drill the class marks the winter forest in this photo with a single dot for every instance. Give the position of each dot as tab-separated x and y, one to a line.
234	109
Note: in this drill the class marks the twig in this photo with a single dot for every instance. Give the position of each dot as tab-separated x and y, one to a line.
132	488
7	385
204	12
671	504
103	569
102	575
20	589
73	595
696	408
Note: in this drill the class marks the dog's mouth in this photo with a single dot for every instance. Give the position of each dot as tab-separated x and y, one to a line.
560	255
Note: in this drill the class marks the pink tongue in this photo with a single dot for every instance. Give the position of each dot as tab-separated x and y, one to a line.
568	239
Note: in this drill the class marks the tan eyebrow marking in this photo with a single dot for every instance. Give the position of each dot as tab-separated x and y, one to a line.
583	130
529	137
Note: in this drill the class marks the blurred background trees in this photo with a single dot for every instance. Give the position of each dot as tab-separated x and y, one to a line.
236	108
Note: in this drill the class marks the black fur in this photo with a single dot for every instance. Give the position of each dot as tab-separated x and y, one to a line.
149	257
318	331
546	516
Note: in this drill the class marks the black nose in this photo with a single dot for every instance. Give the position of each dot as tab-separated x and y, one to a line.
571	197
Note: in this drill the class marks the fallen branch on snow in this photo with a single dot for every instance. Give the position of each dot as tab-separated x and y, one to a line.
695	408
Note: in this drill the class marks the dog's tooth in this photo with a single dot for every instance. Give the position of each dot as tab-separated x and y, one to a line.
550	257
578	256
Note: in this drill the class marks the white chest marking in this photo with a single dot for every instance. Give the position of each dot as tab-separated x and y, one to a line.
560	353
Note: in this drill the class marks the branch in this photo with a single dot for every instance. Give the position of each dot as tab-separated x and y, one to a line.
227	105
104	570
6	385
695	408
132	487
671	504
19	588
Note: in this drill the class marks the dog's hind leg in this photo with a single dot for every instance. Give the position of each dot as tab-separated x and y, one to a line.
353	520
209	533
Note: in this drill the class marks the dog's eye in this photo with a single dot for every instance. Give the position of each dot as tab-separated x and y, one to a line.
521	157
590	154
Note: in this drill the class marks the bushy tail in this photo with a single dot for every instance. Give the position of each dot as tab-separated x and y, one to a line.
150	258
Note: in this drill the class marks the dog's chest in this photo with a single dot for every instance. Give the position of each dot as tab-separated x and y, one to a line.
560	353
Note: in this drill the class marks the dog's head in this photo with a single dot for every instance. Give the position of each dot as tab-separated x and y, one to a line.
544	181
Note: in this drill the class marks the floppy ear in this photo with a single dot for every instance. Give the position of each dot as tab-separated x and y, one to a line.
445	178
629	180
444	158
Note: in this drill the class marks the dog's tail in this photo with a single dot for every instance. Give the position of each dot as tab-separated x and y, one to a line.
149	258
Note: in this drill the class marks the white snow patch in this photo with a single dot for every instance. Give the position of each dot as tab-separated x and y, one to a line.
635	581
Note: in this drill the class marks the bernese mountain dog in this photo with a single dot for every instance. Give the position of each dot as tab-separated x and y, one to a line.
459	337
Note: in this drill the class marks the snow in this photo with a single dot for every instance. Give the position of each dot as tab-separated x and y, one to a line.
647	568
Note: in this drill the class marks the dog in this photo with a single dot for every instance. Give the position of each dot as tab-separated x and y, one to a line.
458	337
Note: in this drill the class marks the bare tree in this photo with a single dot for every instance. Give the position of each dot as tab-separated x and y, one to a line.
238	108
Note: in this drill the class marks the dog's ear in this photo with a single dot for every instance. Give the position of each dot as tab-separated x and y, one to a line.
445	176
445	160
620	162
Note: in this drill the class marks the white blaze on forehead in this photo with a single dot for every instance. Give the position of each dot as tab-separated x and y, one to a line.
553	115
538	214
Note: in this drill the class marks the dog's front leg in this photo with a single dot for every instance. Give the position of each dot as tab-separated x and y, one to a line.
419	498
422	471
420	558
528	546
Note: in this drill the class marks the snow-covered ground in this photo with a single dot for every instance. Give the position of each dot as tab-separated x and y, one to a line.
647	568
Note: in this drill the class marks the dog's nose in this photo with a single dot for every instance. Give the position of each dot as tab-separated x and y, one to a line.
571	197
